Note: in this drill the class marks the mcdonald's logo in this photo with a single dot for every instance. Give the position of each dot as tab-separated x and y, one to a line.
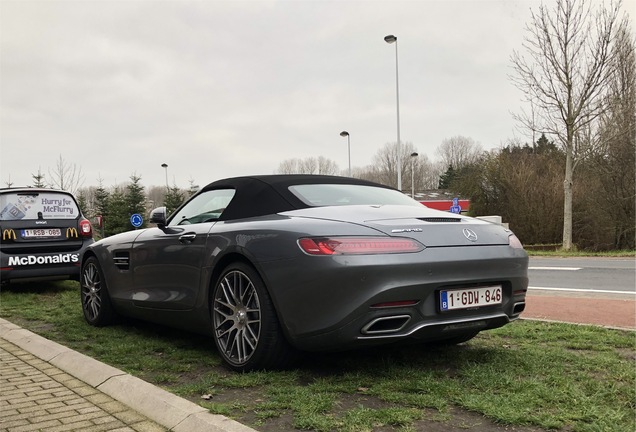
8	234
71	232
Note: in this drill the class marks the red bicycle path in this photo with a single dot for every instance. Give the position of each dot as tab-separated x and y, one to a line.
608	310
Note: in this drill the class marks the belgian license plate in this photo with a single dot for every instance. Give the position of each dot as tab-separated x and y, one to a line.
41	233
466	298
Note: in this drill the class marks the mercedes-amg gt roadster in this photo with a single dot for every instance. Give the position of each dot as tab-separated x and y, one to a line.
273	265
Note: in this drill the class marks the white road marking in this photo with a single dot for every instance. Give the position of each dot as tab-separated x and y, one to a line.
555	268
582	290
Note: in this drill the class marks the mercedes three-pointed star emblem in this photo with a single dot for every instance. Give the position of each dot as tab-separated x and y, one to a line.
470	234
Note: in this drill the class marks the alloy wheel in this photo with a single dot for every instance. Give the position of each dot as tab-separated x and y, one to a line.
237	317
91	291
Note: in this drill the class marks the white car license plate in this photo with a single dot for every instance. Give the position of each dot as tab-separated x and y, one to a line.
470	297
41	233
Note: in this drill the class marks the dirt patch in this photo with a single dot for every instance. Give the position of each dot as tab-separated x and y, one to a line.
456	420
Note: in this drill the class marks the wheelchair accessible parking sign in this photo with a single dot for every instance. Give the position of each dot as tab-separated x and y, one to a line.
456	208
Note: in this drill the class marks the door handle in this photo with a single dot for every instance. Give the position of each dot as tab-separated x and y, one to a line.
187	238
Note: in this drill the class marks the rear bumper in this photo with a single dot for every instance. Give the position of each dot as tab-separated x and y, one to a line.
419	331
338	303
40	266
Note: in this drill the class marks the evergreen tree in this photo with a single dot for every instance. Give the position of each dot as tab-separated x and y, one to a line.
102	198
193	188
82	202
38	179
136	198
174	198
446	179
118	219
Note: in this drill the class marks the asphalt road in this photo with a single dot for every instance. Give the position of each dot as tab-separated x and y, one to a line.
611	276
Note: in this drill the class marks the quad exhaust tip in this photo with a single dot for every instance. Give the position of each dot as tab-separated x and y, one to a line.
518	308
384	325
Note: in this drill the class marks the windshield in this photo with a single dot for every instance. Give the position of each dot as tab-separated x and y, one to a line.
319	195
37	205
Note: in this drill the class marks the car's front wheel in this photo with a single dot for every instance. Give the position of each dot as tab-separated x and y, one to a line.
96	305
246	329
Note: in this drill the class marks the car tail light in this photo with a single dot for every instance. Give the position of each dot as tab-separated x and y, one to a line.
514	242
85	228
358	245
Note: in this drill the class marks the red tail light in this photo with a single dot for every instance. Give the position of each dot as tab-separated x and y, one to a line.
358	245
85	228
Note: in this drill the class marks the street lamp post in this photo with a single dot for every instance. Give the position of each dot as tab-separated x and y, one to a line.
390	39
346	134
413	156
165	166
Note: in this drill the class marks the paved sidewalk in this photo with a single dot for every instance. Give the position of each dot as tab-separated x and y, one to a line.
38	396
45	386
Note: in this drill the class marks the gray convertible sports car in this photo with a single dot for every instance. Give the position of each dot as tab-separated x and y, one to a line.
269	265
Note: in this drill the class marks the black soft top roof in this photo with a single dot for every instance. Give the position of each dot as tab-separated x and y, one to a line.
269	194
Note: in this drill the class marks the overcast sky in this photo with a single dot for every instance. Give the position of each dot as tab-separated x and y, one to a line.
225	88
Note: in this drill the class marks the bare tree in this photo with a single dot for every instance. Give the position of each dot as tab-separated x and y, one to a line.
309	165
384	168
156	196
327	166
66	176
288	166
613	168
459	151
564	74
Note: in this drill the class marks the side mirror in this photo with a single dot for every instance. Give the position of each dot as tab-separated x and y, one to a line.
158	216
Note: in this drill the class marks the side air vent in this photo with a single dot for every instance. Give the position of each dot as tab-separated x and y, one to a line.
122	260
440	219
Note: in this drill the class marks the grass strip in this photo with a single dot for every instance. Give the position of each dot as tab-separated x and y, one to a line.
527	374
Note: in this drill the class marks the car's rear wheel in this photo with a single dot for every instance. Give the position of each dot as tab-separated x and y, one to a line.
96	305
246	329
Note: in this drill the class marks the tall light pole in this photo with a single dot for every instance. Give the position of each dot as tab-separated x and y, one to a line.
165	166
346	134
413	156
390	39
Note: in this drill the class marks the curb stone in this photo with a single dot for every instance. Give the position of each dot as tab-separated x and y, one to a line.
158	405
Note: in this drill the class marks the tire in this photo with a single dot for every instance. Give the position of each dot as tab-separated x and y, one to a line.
246	330
96	306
